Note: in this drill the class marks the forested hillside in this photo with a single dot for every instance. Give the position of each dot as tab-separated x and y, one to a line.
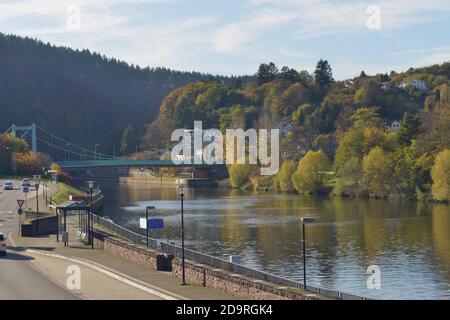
81	96
376	135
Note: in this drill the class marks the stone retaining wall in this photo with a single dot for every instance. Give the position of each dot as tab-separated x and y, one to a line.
234	284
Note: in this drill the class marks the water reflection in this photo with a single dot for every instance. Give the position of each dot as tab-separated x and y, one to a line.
408	240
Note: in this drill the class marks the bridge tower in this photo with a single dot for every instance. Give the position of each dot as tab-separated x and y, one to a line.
26	129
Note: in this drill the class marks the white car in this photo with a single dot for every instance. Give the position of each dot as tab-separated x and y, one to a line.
2	245
26	182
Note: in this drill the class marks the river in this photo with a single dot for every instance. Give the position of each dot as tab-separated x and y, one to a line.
409	241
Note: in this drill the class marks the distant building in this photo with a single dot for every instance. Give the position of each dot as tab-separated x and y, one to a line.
395	125
418	84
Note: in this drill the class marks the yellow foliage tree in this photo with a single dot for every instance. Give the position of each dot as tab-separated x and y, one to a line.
312	172
440	173
378	173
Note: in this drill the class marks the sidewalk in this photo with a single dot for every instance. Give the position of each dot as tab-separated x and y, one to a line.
117	265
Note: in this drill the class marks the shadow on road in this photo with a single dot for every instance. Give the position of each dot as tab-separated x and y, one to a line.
16	257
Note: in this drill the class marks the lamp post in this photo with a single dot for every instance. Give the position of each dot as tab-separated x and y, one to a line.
95	151
13	160
146	219
305	220
90	184
45	186
36	186
68	151
183	275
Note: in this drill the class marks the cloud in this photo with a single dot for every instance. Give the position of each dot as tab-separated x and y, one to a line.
322	17
234	37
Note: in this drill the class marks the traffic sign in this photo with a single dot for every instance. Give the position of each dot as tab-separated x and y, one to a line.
20	211
20	203
155	223
152	223
26	189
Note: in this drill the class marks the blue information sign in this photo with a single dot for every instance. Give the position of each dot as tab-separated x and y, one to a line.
155	223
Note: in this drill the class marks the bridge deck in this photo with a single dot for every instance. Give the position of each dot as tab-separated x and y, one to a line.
122	163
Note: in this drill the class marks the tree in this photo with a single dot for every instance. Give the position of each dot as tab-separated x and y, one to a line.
409	128
323	73
289	74
282	180
240	175
311	175
128	140
378	173
440	173
266	73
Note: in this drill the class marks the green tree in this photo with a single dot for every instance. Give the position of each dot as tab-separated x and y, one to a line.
323	73
409	128
312	173
440	173
266	73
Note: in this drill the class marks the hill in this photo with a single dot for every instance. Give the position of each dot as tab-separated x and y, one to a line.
81	96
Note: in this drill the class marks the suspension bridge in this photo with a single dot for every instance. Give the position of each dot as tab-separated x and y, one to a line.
72	156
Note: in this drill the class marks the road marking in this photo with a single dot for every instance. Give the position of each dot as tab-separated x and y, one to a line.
159	292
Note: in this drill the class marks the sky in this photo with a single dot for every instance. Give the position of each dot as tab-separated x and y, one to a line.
232	37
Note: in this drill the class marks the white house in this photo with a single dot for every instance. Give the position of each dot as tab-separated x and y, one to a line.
395	125
418	84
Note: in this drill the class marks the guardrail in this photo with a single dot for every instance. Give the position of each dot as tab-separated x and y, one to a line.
219	263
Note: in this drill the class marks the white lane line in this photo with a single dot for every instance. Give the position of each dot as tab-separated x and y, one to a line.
159	292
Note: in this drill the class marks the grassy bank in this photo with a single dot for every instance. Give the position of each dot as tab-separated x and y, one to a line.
64	193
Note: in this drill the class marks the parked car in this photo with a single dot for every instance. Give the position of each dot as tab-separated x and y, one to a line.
8	185
2	245
26	182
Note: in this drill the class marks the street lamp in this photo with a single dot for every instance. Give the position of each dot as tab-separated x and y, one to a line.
36	186
68	151
95	151
90	184
181	193
13	160
305	220
146	219
45	185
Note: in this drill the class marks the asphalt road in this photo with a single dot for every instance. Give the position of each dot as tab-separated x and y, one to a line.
18	278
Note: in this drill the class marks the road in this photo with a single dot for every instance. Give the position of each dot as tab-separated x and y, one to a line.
34	275
19	279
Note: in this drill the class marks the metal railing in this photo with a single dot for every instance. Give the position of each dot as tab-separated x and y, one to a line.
219	263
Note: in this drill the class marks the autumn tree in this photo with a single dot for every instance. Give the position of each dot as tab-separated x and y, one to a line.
282	181
312	173
440	173
378	170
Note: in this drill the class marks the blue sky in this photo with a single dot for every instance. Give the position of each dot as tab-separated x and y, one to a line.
233	37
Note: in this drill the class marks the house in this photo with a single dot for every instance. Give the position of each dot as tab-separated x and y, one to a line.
418	84
395	125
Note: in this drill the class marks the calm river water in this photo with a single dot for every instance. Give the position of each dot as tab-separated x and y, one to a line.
409	241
